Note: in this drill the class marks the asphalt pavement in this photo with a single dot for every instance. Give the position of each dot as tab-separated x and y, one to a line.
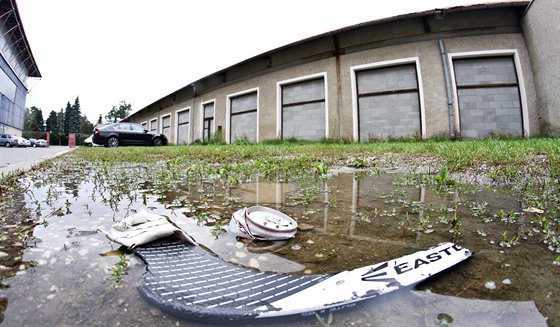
24	158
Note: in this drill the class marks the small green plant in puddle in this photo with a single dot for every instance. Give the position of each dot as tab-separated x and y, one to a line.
118	271
325	322
322	168
479	207
202	218
442	179
507	217
425	225
359	163
309	193
456	224
508	241
217	230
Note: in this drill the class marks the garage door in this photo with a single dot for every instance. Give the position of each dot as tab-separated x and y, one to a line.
488	97
388	103
244	118
183	127
303	110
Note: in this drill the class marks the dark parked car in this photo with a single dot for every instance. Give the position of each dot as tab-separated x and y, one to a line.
117	134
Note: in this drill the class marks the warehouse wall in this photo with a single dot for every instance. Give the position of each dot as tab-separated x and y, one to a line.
336	60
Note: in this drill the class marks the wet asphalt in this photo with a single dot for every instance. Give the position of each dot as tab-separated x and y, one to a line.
12	159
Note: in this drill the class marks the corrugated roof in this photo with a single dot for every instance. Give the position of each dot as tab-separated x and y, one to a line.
10	18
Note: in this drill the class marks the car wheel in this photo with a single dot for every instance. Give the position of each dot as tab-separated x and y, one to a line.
157	142
113	142
8	144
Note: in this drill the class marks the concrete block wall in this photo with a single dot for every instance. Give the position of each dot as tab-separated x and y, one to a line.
183	118
303	91
305	121
542	32
485	71
389	116
486	110
244	126
244	103
244	117
166	126
183	134
387	79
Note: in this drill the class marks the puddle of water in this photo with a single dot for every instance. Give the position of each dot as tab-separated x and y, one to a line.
353	220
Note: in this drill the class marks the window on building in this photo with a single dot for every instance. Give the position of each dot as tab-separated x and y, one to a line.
208	121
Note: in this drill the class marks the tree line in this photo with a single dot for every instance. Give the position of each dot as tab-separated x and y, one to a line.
67	120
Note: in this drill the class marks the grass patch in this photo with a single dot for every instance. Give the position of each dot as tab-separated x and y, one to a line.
458	155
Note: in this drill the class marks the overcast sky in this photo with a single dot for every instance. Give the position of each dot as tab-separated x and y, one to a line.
106	51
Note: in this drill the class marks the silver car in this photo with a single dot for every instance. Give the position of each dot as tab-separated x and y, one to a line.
8	140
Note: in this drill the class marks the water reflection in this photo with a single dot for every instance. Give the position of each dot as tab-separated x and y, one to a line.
356	220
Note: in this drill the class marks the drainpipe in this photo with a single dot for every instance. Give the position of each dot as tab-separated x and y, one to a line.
450	110
191	118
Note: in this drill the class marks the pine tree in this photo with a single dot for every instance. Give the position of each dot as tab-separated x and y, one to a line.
38	122
75	118
52	122
66	116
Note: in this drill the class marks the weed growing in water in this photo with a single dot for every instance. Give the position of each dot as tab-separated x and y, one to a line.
118	271
479	207
442	178
507	217
455	224
217	230
508	241
322	169
202	218
359	163
325	322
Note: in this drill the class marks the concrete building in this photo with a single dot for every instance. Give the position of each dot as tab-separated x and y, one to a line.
16	66
461	72
542	36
